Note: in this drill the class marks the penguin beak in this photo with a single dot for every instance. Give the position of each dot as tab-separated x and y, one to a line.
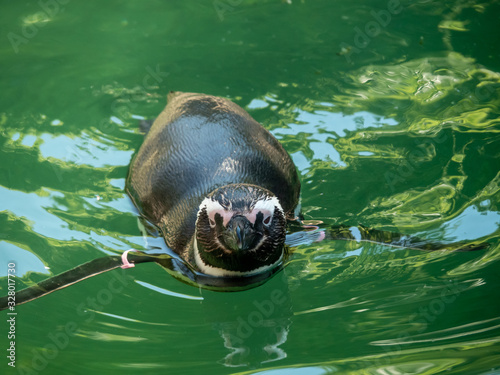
239	234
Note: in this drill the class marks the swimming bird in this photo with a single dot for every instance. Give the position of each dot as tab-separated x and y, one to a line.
218	185
222	191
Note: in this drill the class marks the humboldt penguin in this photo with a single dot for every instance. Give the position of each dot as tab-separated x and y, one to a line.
221	189
217	184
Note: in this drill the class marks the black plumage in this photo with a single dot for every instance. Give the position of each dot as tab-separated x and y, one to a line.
197	144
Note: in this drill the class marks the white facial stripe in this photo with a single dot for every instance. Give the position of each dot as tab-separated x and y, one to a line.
210	204
220	272
214	207
266	206
252	216
226	215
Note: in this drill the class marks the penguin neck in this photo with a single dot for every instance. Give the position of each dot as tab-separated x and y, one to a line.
221	272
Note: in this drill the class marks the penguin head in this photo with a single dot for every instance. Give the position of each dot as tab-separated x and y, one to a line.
240	231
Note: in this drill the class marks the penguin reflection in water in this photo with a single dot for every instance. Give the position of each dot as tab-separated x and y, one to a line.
221	189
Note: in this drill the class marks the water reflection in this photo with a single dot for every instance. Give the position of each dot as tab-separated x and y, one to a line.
30	262
253	326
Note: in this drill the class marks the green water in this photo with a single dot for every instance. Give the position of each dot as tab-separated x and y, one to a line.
389	110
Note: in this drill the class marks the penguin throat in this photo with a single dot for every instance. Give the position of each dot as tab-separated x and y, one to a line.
212	270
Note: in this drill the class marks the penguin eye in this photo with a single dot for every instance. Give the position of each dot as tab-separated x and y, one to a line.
211	222
267	220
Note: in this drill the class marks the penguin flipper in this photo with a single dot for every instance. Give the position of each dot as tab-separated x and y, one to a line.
363	234
305	237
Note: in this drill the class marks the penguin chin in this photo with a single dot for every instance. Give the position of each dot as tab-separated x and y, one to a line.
203	264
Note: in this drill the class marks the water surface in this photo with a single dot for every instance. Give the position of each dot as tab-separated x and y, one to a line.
389	110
